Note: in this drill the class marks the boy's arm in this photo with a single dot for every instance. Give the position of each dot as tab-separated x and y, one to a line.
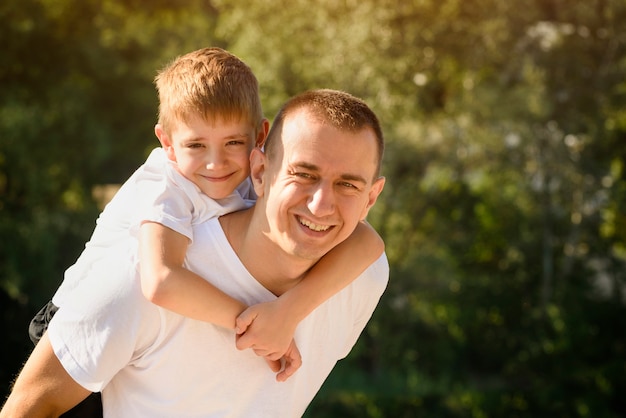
269	327
165	282
43	388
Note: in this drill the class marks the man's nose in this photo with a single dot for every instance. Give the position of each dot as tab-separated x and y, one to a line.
322	200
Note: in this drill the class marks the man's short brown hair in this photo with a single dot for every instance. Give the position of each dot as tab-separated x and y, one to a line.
337	108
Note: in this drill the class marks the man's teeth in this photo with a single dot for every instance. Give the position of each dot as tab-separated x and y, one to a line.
314	227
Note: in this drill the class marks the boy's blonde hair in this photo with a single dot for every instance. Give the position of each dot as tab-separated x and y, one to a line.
211	83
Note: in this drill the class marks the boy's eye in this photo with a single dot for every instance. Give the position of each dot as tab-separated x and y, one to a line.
236	142
195	145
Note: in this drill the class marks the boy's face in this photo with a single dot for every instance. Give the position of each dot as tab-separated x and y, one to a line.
213	155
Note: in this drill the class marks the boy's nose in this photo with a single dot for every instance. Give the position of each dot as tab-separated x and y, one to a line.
215	160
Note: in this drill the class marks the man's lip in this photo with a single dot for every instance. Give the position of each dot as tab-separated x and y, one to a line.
313	226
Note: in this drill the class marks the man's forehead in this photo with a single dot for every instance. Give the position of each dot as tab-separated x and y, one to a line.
314	144
302	122
301	118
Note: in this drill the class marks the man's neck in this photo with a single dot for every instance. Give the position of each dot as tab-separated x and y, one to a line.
267	263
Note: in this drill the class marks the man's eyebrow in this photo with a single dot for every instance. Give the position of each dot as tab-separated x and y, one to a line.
354	177
345	176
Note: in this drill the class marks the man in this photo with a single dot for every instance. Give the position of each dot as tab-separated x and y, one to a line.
318	177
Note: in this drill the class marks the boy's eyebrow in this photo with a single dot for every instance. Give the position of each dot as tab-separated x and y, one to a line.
238	136
344	176
233	136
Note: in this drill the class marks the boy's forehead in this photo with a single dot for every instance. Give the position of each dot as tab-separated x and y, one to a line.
211	118
219	117
199	126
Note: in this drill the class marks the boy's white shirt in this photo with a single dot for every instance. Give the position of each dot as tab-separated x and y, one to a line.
155	192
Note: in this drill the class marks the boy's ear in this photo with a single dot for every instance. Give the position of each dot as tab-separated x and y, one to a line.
257	170
166	142
261	136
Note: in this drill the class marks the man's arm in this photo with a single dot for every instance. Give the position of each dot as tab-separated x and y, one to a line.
43	388
269	327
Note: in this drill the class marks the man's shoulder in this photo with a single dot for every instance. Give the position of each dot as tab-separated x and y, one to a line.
376	276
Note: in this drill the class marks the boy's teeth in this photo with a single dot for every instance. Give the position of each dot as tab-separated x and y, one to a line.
314	227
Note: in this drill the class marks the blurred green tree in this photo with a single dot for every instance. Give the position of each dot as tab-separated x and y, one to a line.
504	211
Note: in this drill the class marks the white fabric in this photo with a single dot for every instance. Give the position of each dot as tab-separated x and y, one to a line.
150	362
155	192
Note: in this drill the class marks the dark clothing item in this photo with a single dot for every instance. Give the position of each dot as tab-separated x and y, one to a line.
39	324
91	406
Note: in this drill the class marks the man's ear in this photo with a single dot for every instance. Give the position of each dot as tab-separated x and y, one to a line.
261	136
374	192
257	170
166	142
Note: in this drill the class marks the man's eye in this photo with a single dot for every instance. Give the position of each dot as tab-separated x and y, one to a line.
348	185
303	175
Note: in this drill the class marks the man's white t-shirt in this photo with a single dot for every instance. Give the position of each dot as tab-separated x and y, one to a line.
155	192
150	362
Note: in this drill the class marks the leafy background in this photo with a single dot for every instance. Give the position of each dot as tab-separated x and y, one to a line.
504	212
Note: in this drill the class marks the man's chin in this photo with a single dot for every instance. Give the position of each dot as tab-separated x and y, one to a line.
312	254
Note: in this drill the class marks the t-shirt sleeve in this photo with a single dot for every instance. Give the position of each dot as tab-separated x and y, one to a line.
104	326
367	290
164	196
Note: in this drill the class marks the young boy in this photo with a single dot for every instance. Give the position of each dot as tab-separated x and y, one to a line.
210	118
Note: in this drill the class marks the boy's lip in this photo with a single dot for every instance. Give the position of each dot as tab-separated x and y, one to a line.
217	179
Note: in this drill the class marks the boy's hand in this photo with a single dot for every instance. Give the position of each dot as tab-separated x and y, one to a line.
266	329
291	361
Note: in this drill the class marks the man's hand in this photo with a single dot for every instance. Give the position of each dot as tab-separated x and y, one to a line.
265	328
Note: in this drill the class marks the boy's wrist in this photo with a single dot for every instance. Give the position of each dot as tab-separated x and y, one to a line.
292	308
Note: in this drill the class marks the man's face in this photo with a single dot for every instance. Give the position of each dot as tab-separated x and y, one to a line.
213	155
321	187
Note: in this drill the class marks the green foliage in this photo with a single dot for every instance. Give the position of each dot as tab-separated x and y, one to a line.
504	208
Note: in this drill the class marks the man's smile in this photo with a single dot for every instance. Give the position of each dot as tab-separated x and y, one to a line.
313	226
